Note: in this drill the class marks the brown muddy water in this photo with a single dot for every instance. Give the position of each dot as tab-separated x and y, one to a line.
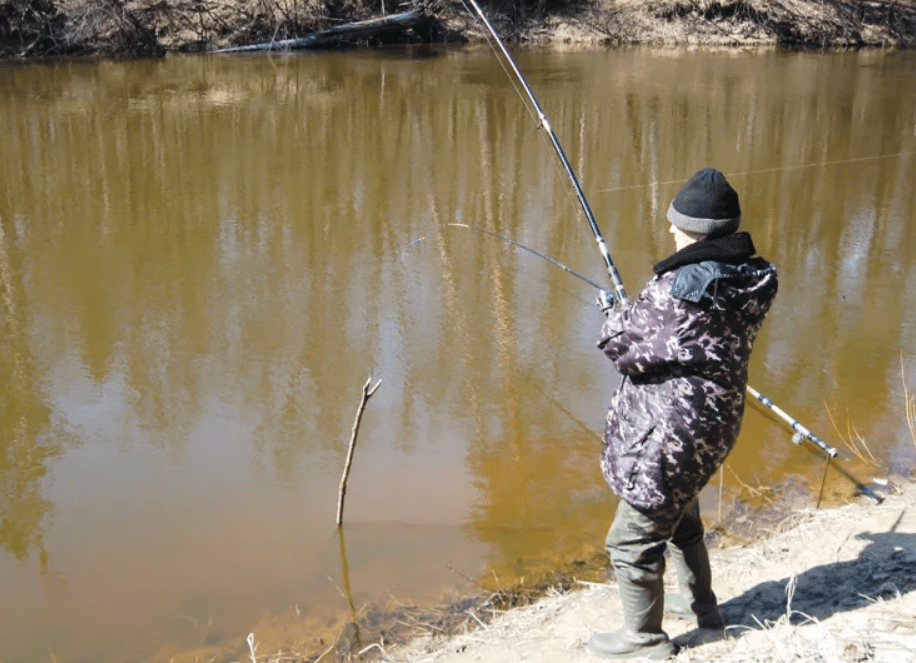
202	260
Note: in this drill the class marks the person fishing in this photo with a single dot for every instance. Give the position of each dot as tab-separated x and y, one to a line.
682	348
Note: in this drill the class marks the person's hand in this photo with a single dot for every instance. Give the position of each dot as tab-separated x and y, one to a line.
606	301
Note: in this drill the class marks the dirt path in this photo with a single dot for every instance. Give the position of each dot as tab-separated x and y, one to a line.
832	585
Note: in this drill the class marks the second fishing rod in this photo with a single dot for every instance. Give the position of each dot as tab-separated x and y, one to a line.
801	432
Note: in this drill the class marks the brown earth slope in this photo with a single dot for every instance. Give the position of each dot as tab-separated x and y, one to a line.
32	28
827	586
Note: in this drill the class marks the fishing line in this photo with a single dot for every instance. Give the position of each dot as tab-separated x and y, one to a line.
800	431
528	100
530	250
616	281
500	59
503	56
768	170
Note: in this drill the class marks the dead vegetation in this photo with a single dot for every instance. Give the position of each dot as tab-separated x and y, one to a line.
144	28
826	586
909	403
371	630
481	608
813	24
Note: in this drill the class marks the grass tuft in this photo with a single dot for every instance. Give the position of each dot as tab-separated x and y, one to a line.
909	402
853	440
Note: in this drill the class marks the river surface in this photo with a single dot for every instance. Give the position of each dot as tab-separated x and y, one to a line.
203	260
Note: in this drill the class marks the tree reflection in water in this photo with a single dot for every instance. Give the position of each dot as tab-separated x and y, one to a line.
25	443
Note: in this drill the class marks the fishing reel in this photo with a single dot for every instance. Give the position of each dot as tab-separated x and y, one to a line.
606	301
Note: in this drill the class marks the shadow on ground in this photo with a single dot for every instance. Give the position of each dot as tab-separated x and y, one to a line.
885	568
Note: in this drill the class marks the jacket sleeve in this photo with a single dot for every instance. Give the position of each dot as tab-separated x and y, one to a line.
643	339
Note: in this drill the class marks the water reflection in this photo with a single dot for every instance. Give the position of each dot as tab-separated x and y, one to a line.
201	260
26	448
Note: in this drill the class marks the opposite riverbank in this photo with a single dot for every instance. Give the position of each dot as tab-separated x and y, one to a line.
154	28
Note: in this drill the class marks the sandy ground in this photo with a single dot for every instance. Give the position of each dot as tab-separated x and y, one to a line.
829	585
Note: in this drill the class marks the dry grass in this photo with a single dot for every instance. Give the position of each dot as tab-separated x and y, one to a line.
875	635
853	440
796	23
152	27
843	579
819	586
909	403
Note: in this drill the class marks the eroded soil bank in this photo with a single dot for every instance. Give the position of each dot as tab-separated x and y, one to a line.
141	28
832	585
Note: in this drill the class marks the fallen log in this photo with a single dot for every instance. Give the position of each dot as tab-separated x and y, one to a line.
347	32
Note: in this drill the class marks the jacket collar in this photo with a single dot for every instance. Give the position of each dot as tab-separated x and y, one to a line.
732	249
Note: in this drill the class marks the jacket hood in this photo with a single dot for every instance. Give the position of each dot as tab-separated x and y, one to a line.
723	272
722	283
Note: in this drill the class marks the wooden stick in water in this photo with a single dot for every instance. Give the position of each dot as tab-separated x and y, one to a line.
367	393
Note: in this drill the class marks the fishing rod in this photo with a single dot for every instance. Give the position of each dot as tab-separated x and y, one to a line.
801	432
545	124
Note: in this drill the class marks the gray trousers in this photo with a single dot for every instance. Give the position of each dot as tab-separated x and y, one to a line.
637	539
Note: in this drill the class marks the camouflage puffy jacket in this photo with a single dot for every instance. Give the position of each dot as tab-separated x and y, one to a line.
683	348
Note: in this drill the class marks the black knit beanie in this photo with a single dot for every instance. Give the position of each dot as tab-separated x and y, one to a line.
706	205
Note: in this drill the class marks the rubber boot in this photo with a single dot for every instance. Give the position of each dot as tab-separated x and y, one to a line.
696	599
642	634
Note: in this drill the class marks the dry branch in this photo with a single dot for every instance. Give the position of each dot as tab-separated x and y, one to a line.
367	393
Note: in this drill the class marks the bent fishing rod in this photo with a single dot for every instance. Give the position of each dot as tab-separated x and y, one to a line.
544	123
801	432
